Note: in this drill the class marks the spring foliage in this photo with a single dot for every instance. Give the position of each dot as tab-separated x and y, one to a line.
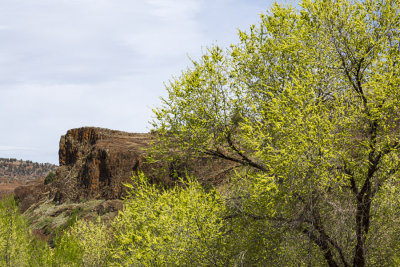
86	243
306	105
310	99
17	246
181	226
14	240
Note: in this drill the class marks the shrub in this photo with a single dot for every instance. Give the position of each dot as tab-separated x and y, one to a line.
17	246
86	243
180	226
49	178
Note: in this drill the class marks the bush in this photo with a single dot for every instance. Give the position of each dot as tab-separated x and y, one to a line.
17	247
182	226
50	178
85	244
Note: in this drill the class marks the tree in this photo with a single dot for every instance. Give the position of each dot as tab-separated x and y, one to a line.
86	243
13	234
17	247
305	103
181	226
50	177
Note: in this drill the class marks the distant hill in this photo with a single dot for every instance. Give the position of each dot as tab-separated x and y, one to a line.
15	172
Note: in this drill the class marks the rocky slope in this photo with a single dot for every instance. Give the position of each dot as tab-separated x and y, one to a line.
94	165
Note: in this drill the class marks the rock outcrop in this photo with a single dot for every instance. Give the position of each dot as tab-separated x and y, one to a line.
94	163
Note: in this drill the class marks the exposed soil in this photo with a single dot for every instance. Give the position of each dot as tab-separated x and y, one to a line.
8	188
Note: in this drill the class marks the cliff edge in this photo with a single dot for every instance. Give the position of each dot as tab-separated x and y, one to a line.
94	162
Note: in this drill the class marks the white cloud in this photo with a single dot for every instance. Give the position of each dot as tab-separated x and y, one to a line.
13	148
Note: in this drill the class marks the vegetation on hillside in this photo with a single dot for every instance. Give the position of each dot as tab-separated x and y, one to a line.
12	170
307	105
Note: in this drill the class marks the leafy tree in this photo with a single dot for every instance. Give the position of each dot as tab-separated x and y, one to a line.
13	235
40	254
178	227
17	247
86	243
306	103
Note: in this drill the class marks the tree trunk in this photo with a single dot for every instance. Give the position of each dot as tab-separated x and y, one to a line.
359	257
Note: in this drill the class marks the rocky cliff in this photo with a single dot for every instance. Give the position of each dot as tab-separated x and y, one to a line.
95	162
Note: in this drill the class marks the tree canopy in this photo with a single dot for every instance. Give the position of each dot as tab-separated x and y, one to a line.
307	105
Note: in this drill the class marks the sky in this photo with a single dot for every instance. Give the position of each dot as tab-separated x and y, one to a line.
72	63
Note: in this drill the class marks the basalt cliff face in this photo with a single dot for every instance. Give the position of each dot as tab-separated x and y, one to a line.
94	163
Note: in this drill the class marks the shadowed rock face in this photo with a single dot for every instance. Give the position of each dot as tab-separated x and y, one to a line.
94	162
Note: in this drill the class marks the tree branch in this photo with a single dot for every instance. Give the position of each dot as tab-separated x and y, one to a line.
244	157
323	245
244	160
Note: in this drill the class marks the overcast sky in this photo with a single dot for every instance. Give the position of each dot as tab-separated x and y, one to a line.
73	63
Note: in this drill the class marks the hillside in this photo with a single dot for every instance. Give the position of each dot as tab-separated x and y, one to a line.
15	172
